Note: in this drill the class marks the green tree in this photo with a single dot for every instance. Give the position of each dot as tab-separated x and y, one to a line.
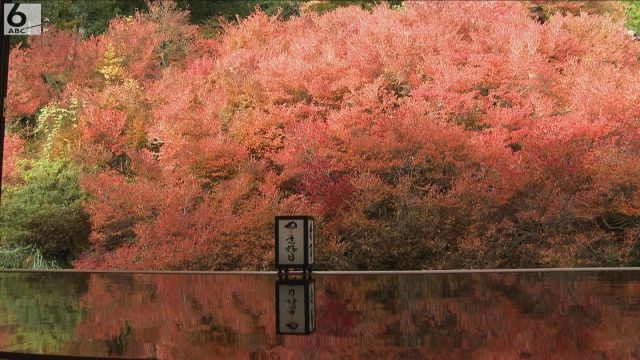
209	14
329	5
46	211
202	11
91	17
633	16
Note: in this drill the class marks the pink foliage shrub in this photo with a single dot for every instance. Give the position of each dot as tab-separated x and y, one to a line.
13	146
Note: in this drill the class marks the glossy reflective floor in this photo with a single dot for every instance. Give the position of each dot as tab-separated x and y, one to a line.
513	315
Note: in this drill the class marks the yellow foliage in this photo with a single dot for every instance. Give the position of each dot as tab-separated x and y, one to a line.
111	67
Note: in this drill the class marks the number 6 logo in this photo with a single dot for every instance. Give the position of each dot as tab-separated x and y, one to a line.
12	15
22	19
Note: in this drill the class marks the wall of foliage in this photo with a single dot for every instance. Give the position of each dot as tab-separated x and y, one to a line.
423	135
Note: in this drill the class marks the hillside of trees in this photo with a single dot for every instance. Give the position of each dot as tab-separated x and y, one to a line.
420	135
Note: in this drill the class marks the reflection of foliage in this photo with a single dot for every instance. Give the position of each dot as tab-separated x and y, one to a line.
45	211
118	345
41	310
200	315
569	315
545	315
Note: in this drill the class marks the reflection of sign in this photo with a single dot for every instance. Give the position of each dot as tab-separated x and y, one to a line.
311	235
294	318
295	306
22	19
312	307
294	241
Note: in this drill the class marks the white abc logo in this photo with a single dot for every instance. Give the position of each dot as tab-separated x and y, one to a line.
22	19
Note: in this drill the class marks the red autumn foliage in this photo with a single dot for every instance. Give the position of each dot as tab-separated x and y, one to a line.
13	145
151	40
440	135
42	70
105	128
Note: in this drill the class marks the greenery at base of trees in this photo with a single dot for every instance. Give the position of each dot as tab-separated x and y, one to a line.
44	212
24	257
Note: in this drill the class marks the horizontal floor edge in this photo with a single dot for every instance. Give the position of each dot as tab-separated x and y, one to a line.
272	273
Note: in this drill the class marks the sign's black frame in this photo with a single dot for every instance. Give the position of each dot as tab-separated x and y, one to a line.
4	75
306	219
307	282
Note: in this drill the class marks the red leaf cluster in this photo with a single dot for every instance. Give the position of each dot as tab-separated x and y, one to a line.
13	146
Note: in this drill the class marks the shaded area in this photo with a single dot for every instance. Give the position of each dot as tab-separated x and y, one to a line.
39	311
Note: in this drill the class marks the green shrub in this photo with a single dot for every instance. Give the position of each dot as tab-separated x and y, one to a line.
24	257
45	211
633	16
